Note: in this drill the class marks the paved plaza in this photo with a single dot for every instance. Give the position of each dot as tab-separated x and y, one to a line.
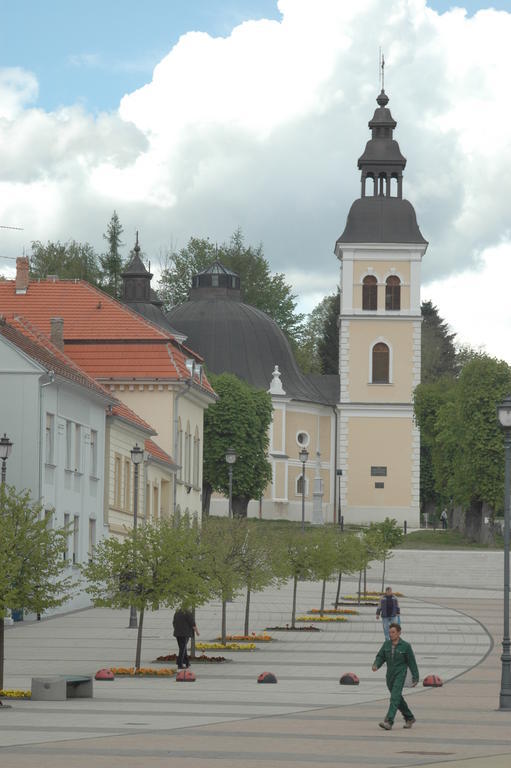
452	614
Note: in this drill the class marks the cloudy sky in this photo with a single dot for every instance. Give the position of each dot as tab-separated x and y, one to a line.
193	118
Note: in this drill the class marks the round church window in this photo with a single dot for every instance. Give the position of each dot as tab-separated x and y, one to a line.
303	439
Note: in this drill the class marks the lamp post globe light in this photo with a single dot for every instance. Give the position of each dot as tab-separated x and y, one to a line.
137	455
230	457
504	416
304	457
5	452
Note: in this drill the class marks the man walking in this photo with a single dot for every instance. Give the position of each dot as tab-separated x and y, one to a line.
184	628
399	657
389	610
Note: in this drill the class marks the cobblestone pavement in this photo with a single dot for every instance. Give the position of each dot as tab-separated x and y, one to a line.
452	614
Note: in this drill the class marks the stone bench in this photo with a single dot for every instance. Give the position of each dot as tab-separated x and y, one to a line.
61	687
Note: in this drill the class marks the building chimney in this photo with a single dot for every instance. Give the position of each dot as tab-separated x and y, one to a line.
57	332
22	274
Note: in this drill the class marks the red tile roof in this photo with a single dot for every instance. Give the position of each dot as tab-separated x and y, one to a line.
103	336
155	451
36	345
123	412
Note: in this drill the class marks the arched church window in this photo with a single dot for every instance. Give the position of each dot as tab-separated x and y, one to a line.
300	487
381	361
369	293
393	293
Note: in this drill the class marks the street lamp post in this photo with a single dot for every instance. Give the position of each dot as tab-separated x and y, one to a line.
230	457
5	452
303	456
137	454
504	415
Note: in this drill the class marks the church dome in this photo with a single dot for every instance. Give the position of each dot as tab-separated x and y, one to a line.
237	338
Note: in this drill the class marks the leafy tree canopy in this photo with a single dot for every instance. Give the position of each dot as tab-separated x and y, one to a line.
69	261
31	559
111	261
240	419
260	288
438	352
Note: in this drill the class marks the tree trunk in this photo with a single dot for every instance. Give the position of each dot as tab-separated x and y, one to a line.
338	589
2	641
359	584
207	491
139	638
240	506
322	606
224	621
383	575
192	644
293	612
365	582
247	611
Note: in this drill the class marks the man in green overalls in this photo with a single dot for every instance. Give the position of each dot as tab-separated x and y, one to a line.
399	657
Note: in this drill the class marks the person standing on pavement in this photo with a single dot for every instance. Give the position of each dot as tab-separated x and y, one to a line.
389	610
184	628
399	657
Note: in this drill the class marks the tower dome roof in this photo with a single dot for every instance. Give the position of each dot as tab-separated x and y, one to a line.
235	337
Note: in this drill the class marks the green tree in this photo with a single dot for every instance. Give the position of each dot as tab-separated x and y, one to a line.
152	566
318	350
325	557
255	564
223	540
350	553
438	352
31	560
239	419
111	261
69	261
295	560
382	538
260	288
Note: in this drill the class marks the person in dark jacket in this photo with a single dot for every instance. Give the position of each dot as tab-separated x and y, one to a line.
399	657
184	628
389	610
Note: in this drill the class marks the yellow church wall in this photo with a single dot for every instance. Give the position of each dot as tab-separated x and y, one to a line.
399	336
379	442
278	417
300	421
279	479
381	270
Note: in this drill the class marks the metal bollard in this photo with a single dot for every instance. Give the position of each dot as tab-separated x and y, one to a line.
405	526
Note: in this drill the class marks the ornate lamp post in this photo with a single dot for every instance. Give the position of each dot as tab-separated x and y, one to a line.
137	455
504	415
230	457
5	452
303	456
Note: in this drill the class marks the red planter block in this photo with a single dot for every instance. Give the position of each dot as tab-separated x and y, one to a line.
266	677
185	676
433	681
349	678
104	674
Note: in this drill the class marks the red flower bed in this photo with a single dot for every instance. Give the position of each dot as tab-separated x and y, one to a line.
197	659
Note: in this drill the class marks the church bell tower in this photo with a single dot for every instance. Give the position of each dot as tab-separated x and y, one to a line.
380	252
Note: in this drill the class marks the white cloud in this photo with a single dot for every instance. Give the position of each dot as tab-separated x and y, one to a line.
262	129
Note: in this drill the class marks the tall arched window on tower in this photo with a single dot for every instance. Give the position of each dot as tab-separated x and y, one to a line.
381	360
393	293
370	293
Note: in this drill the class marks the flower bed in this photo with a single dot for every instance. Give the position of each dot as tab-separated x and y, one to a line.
225	647
202	659
143	672
321	618
287	628
13	693
336	611
253	638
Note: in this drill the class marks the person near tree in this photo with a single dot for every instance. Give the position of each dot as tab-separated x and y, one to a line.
184	628
389	610
443	518
398	655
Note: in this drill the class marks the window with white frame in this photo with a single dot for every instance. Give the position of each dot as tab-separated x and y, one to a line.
50	438
78	448
67	519
93	453
76	539
188	453
299	487
92	537
196	458
127	485
69	444
117	481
